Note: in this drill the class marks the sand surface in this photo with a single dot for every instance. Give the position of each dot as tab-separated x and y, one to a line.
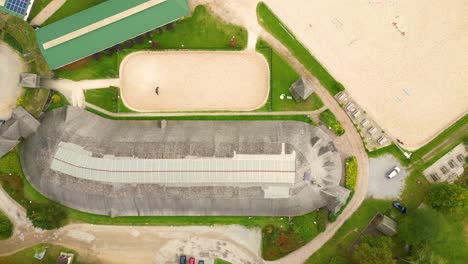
194	80
11	65
414	85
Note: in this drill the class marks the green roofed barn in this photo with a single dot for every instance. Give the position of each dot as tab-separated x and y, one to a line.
103	26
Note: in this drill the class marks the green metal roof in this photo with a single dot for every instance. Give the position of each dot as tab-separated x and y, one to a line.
107	36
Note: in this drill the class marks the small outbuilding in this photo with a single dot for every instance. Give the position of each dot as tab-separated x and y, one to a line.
30	80
301	89
65	258
21	125
387	226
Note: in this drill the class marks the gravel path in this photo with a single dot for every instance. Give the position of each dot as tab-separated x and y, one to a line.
11	67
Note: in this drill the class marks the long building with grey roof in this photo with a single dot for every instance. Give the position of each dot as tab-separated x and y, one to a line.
149	167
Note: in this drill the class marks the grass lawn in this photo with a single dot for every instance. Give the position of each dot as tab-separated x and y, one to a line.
12	42
71	7
273	25
281	239
26	256
391	149
6	227
220	261
282	76
329	120
34	100
201	31
107	98
37	7
337	245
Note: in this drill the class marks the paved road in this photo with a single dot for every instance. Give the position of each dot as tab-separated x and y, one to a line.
48	11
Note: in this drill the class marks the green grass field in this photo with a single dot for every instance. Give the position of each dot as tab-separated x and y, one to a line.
201	31
273	25
6	227
37	7
108	99
26	256
330	121
282	76
71	7
220	261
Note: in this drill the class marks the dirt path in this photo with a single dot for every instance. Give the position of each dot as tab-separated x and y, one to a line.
48	11
447	142
11	67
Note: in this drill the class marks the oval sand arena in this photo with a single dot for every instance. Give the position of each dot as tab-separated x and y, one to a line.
194	81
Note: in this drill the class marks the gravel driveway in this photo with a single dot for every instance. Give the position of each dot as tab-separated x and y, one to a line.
379	186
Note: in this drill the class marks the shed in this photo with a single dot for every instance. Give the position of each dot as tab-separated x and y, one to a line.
30	80
387	226
301	89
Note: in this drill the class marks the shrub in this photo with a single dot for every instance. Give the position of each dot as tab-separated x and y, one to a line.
6	227
56	98
351	173
329	119
46	216
447	196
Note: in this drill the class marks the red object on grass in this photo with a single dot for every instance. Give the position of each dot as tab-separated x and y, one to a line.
233	42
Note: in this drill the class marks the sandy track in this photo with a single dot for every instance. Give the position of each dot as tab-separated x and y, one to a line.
11	67
415	85
194	80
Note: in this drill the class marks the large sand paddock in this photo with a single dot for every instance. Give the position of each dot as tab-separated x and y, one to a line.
414	85
194	81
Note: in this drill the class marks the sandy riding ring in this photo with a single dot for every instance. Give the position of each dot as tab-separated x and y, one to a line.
194	81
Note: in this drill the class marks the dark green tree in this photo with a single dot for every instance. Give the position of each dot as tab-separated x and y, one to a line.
6	227
46	216
422	225
447	196
374	250
423	254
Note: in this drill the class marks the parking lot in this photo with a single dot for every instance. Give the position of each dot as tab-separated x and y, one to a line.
380	186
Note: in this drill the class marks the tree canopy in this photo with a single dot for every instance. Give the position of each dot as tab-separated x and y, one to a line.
422	225
374	250
46	216
447	196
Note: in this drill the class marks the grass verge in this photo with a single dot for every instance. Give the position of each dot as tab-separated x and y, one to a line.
71	7
201	31
282	75
37	7
330	120
34	100
27	255
221	261
108	99
13	43
58	100
273	25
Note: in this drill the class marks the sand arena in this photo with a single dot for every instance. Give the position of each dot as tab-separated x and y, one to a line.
194	81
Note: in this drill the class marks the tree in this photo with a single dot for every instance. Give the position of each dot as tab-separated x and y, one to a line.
374	250
422	225
6	227
46	216
447	196
424	254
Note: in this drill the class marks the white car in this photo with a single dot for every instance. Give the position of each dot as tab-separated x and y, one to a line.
394	172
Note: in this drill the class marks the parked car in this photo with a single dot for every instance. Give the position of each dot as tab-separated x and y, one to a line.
394	172
192	260
183	259
399	207
201	262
